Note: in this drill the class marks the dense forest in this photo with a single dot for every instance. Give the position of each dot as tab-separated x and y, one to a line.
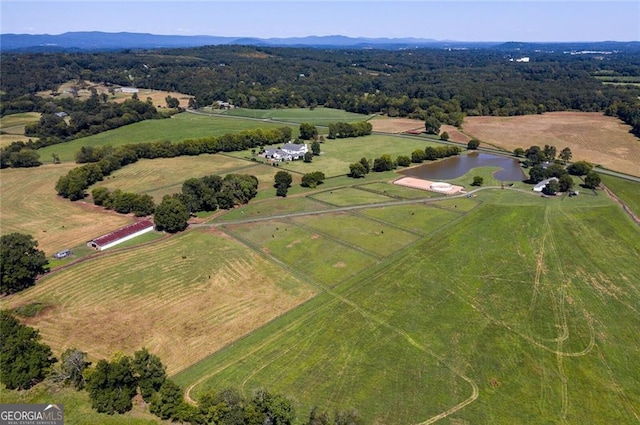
420	83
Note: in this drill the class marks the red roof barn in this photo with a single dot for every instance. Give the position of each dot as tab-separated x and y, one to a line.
118	236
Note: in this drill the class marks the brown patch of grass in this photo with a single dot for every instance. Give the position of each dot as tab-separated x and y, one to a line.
340	264
455	135
182	309
591	136
396	125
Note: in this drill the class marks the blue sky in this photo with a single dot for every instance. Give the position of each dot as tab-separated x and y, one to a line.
473	20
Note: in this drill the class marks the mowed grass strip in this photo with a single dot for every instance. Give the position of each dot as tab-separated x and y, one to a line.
183	298
535	304
179	127
319	258
30	205
13	125
369	235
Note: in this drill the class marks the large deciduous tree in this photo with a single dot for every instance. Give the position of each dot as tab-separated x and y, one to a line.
20	262
432	125
592	180
308	131
112	385
171	215
149	371
24	361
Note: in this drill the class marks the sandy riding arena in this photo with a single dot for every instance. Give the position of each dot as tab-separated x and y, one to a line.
438	187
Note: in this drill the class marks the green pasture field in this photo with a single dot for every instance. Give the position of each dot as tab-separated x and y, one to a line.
349	196
379	238
177	128
77	406
303	251
272	207
626	190
402	192
422	219
514	314
15	123
318	116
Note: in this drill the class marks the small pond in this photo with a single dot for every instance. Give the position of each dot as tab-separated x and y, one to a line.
457	166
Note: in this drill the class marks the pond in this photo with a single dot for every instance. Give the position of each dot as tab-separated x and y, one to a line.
457	166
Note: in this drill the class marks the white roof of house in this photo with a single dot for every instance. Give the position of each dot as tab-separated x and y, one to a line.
543	183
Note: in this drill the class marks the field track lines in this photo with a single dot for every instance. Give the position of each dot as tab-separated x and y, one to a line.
618	389
263	343
339	298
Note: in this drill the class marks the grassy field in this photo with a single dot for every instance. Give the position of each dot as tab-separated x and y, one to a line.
591	136
515	314
183	299
12	127
30	205
179	127
318	116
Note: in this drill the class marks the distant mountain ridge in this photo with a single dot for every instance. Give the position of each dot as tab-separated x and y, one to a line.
102	41
96	40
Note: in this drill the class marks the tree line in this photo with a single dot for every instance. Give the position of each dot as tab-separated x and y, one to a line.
386	163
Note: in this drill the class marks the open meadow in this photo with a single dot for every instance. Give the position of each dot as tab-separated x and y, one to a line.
498	307
12	127
591	136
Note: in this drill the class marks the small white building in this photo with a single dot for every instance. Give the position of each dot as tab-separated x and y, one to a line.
540	186
129	90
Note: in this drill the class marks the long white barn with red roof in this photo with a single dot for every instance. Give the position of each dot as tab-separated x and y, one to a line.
118	236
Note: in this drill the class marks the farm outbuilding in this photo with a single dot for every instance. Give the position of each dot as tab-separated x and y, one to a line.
121	235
